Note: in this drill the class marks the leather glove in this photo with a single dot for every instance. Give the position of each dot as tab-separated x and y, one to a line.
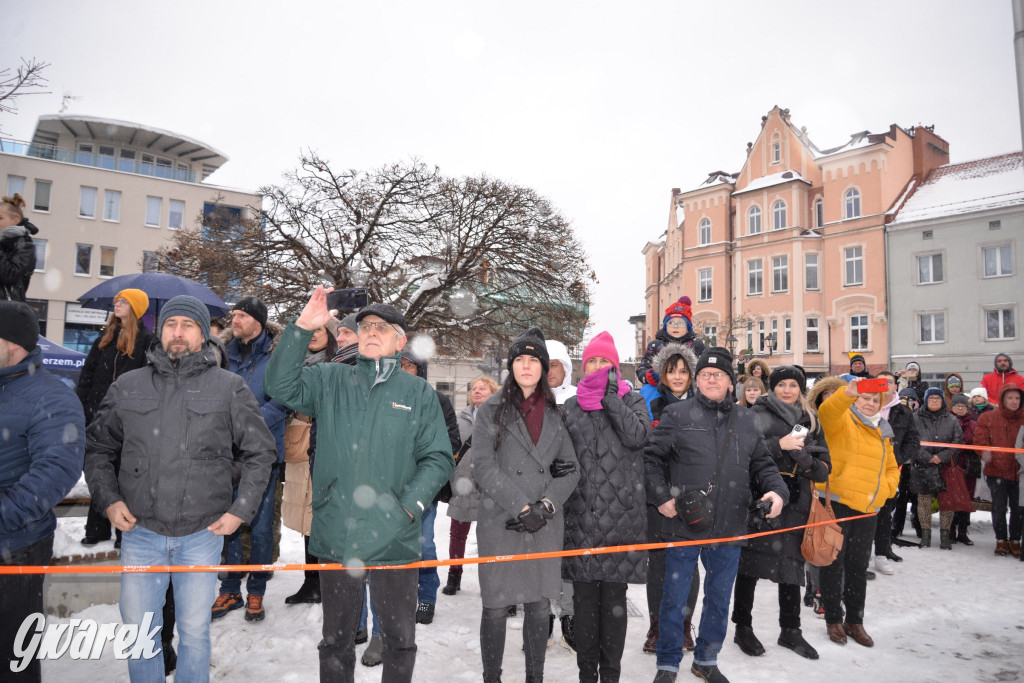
560	468
611	390
652	378
802	458
535	517
514	525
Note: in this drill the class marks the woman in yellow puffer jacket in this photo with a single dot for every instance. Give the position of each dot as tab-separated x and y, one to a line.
864	475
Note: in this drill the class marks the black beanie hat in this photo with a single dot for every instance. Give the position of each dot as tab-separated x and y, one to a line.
254	307
787	372
857	357
716	357
529	343
19	324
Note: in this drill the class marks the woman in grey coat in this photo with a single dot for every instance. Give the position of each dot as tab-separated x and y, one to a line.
609	427
524	463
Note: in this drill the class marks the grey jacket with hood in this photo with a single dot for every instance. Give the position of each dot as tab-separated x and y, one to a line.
179	429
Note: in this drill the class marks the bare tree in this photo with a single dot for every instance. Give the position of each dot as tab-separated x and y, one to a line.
472	261
27	79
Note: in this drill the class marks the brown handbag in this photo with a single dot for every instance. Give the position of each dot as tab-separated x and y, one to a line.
821	544
296	439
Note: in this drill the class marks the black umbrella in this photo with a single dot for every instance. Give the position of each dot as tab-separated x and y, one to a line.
159	287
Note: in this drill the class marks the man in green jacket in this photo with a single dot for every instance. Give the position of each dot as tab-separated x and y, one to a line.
382	455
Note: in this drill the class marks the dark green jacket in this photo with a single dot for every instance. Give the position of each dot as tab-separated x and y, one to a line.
382	446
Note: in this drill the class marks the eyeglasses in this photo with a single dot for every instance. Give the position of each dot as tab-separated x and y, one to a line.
381	326
676	322
705	375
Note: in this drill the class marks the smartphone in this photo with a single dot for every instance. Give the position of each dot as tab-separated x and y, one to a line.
347	300
873	386
799	431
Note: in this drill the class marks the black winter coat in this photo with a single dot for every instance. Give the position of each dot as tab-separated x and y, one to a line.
685	444
940	426
103	366
695	343
609	505
17	263
778	557
906	441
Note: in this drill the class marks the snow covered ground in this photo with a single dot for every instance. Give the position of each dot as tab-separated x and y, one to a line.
944	616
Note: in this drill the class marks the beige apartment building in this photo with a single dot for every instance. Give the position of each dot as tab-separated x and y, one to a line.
788	254
106	195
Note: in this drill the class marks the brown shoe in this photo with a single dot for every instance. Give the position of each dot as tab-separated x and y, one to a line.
836	634
688	643
1015	548
857	632
651	644
254	608
1002	548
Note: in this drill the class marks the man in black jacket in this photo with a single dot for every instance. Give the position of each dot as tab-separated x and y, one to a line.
705	445
180	426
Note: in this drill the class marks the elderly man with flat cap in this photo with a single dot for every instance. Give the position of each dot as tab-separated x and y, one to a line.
181	426
382	454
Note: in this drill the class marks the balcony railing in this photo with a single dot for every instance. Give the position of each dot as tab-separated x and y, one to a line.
106	161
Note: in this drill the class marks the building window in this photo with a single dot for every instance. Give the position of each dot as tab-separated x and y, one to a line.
111	205
105	159
926	234
754	220
778	215
126	161
176	217
812	335
776	152
150	262
760	336
87	203
998	261
859	332
83	259
819	213
932	327
40	246
42	199
780	273
153	206
929	269
853	203
787	334
854	259
750	336
755	279
107	261
999	324
811	271
711	334
704	278
15	185
995	225
705	231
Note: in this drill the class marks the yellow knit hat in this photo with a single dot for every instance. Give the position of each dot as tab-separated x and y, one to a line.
137	299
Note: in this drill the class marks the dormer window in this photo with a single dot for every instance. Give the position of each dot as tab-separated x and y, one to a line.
776	152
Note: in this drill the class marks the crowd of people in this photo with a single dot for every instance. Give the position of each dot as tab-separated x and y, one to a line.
184	433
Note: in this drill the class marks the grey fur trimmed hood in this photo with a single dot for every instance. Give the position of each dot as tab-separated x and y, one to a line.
674	349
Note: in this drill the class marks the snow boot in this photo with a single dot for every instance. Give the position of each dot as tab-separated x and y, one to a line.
962	537
665	676
424	613
708	673
793	639
453	585
569	633
1015	548
229	601
170	658
926	538
374	654
651	644
809	592
308	593
945	542
1002	548
747	641
688	643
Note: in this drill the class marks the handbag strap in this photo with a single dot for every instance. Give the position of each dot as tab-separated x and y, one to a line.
725	446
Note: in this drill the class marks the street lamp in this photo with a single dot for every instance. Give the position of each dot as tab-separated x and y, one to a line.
771	341
731	343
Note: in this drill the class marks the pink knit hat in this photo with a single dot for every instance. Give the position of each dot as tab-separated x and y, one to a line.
601	346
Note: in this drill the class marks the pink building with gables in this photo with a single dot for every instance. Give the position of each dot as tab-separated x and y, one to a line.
793	245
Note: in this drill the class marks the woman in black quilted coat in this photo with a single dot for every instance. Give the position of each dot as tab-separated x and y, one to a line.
777	557
609	427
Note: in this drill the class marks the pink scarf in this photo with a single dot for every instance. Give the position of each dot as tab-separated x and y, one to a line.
590	390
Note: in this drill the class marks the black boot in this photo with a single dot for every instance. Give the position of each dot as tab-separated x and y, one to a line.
809	592
569	633
748	642
453	585
962	537
944	540
308	593
794	640
926	538
170	658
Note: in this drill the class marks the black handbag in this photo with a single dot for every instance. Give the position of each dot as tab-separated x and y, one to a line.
972	466
696	507
930	478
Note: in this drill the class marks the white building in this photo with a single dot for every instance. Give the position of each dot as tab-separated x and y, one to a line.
953	269
105	195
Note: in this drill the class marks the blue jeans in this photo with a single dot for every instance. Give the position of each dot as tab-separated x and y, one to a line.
720	565
261	544
429	579
193	595
368	599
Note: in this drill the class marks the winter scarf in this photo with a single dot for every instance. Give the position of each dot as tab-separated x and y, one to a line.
787	411
591	388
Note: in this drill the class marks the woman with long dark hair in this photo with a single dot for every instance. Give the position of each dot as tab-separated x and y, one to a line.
524	462
122	347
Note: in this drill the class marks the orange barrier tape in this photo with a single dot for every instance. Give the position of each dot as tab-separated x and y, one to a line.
994	449
160	569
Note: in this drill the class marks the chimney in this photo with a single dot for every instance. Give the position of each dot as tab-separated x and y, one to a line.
930	151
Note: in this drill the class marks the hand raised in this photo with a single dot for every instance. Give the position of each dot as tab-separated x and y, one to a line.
315	314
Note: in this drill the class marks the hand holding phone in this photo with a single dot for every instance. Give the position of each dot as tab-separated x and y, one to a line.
872	386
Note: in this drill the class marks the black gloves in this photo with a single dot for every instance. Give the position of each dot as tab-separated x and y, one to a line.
533	518
560	468
611	390
802	458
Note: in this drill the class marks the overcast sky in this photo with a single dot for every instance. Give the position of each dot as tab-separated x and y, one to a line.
603	107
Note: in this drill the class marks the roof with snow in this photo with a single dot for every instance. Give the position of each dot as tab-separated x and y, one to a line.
787	176
967	187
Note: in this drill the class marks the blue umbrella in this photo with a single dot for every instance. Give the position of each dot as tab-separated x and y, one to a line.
159	287
61	361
